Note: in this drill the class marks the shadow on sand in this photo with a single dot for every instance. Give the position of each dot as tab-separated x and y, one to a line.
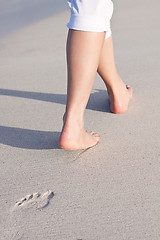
28	139
98	100
33	139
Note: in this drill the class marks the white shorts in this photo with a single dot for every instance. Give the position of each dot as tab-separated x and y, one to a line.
91	15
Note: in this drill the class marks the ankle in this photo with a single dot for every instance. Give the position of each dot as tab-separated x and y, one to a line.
72	121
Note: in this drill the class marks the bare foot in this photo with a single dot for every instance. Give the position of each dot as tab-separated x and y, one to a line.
74	137
120	97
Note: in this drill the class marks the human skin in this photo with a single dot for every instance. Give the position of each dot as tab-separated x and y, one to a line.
119	93
87	53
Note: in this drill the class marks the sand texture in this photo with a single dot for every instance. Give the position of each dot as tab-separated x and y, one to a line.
110	192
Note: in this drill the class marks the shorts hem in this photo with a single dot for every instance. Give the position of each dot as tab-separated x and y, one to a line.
88	23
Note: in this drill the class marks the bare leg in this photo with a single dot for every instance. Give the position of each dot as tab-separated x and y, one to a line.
83	53
118	92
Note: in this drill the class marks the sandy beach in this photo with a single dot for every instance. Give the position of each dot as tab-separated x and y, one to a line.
110	192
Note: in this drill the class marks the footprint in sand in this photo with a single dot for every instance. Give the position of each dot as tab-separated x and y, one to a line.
36	199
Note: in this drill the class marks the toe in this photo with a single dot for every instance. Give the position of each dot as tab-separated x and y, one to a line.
93	133
96	134
129	88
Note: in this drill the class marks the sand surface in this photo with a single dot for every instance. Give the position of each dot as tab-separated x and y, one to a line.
110	192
